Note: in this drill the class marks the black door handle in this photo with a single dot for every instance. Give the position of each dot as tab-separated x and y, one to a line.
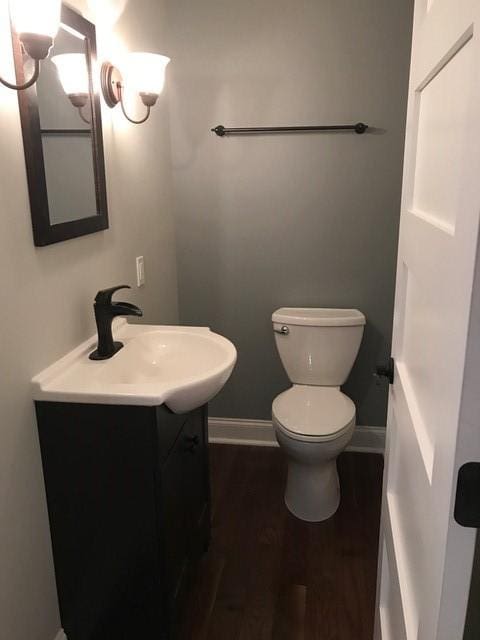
467	503
386	370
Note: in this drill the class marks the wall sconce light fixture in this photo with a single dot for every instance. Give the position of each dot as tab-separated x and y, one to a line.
37	24
143	73
73	74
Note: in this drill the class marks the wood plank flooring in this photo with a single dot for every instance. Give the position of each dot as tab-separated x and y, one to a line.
268	575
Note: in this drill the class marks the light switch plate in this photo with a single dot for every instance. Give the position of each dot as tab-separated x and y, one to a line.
140	271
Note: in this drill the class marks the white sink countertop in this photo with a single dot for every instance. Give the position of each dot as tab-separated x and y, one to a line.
182	367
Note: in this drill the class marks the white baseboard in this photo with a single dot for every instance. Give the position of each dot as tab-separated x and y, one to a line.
260	433
61	635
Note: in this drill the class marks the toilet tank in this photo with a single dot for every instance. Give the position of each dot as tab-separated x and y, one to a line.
318	346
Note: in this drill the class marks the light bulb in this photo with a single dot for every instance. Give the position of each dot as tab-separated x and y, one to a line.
36	22
144	73
73	73
40	17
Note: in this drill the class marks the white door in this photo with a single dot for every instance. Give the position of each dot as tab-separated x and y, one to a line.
434	405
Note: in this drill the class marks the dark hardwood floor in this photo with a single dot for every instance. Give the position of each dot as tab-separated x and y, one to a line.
268	575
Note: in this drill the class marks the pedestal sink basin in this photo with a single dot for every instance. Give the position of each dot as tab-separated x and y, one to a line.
182	367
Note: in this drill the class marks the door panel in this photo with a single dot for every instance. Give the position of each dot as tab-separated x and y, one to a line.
391	613
425	553
443	132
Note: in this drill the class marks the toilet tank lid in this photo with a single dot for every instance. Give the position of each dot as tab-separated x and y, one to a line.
319	317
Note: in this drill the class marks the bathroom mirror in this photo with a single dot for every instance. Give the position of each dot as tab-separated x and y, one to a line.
62	136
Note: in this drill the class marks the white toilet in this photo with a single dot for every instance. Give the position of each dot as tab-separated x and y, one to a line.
314	420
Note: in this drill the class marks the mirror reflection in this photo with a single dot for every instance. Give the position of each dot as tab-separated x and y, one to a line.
65	113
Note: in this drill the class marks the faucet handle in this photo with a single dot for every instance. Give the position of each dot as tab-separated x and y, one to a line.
105	295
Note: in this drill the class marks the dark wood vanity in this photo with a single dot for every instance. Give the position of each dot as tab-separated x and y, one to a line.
129	507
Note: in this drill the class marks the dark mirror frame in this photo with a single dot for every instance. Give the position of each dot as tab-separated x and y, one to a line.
44	232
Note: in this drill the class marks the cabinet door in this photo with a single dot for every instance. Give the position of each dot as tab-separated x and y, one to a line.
174	525
184	500
196	481
169	426
98	463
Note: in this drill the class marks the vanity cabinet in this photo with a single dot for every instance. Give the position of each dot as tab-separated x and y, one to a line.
129	507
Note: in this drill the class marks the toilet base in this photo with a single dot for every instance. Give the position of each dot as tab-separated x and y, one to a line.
313	491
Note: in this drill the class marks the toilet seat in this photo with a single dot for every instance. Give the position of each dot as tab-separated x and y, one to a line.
313	414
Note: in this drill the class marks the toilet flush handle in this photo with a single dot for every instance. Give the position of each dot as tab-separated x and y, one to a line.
284	330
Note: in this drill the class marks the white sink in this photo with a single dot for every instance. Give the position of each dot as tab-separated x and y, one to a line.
182	367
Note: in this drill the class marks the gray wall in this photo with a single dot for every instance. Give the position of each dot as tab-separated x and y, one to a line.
299	220
47	298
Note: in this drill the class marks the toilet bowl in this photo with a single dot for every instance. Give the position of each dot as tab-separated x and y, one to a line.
313	425
313	420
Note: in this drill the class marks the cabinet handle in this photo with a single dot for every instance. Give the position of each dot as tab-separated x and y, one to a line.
193	442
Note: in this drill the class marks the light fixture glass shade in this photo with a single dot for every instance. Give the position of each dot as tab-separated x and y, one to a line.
144	72
73	73
41	17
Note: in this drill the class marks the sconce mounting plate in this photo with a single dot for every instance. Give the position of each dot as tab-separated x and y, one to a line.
111	81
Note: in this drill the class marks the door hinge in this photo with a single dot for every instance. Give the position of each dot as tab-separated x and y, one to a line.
467	500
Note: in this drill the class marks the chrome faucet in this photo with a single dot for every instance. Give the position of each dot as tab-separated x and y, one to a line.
105	312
